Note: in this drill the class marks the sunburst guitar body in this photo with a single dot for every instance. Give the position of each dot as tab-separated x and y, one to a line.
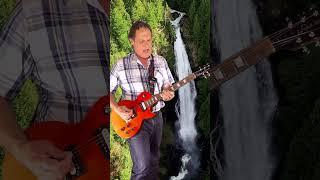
88	141
141	113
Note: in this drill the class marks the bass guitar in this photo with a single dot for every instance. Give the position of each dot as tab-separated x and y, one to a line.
88	141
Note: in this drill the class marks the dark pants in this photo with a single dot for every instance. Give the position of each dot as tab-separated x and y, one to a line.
145	149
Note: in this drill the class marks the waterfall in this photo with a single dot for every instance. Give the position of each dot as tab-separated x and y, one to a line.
185	107
248	101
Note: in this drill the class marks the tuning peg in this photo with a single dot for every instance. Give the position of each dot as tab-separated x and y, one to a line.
299	40
305	50
311	34
303	19
206	74
316	13
317	43
290	25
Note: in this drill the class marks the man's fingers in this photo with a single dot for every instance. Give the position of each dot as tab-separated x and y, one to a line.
50	165
67	163
167	95
166	85
55	152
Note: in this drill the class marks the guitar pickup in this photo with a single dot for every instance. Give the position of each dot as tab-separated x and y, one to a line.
103	134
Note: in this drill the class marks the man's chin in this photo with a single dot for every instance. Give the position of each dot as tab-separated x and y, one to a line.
146	56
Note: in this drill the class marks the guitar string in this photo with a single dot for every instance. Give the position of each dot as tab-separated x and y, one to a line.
283	42
92	139
284	30
97	141
271	36
227	65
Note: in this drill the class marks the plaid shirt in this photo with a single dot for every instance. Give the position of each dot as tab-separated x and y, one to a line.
132	77
63	46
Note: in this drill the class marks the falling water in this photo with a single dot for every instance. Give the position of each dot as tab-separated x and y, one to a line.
248	101
185	108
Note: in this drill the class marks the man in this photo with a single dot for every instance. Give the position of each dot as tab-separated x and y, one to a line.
131	75
61	45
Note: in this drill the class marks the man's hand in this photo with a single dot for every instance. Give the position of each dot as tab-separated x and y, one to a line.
167	94
125	113
44	160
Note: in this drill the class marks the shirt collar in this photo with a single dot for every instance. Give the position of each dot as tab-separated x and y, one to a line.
135	58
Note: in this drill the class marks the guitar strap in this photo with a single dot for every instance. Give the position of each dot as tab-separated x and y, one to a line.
152	79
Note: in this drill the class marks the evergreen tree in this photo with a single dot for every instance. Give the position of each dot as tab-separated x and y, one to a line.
138	11
120	24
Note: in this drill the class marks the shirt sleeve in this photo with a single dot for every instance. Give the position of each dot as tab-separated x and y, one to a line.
16	62
114	77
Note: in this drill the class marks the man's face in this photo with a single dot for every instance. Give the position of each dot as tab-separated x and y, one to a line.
142	43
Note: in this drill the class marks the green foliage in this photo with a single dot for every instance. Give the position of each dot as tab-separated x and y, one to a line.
120	24
156	13
121	163
138	12
123	13
25	103
6	6
203	104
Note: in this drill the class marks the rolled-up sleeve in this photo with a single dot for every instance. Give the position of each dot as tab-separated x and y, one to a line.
16	62
114	78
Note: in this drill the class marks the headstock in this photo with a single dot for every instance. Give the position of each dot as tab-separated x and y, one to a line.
300	34
203	71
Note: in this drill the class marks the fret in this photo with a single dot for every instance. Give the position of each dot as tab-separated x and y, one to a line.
184	81
241	61
258	51
218	74
156	98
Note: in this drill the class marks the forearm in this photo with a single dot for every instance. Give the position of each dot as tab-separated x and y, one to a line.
113	103
11	134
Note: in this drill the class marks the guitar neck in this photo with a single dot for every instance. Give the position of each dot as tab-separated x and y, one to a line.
241	61
229	68
157	97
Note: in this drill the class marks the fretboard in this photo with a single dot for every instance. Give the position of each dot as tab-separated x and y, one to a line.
156	98
240	62
228	69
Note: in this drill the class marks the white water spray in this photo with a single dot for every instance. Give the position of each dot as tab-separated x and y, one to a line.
248	101
185	108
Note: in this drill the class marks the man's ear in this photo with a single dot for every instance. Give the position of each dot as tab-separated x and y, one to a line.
131	41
